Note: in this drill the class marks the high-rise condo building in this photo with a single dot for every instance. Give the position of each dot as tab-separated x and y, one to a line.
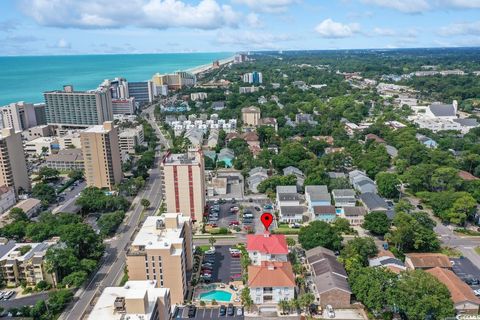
183	178
253	77
78	108
19	116
101	155
13	166
174	81
162	251
143	92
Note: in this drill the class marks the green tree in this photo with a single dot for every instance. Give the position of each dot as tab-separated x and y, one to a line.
377	223
44	193
269	185
74	279
284	305
46	173
291	242
145	203
411	234
371	286
306	300
246	299
387	184
212	241
364	248
462	209
108	222
342	225
421	296
445	178
319	233
17	214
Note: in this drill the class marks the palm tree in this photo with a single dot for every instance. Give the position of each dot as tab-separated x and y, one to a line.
284	305
212	241
306	300
246	299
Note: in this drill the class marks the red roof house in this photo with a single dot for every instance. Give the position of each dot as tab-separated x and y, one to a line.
267	243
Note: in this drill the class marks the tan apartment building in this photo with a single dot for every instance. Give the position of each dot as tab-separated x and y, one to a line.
130	138
251	116
101	155
13	166
135	300
183	177
162	251
25	262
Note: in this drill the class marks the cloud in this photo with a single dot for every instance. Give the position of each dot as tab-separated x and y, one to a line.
8	25
253	20
253	40
384	32
466	4
407	6
20	39
270	6
461	29
159	14
61	44
331	29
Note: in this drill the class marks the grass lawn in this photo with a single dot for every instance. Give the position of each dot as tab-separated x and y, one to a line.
451	252
477	250
204	248
282	229
467	232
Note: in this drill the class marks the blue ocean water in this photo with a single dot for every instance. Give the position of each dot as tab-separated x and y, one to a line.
26	78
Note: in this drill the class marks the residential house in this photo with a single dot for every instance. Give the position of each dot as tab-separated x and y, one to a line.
354	215
361	182
344	197
251	138
305	118
212	139
267	248
336	175
195	136
426	141
297	173
387	259
30	206
374	137
226	155
218	105
292	214
255	177
271	282
373	202
324	213
270	122
427	261
464	300
328	280
288	204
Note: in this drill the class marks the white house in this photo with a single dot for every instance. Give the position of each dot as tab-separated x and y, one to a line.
344	197
271	282
267	248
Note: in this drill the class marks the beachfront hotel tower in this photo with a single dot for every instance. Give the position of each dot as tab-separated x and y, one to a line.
162	251
78	108
183	179
13	166
101	155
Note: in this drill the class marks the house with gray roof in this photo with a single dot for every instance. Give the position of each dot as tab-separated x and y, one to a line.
443	111
317	196
291	214
336	175
373	202
218	105
255	177
328	279
426	141
344	197
297	173
361	182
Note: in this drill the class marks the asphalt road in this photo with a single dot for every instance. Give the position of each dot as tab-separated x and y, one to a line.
113	263
68	205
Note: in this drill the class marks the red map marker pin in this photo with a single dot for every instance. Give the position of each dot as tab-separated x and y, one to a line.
267	219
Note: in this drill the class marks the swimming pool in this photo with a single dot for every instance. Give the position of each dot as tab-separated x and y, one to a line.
339	210
217	295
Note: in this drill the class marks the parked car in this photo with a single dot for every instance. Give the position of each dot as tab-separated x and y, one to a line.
234	223
268	207
239	311
235	255
477	292
230	310
330	311
210	251
257	208
233	250
192	310
223	310
7	295
419	206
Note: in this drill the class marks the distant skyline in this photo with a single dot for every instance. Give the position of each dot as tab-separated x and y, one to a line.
59	27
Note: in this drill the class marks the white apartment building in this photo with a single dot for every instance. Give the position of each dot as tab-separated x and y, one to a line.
40	146
198	96
136	300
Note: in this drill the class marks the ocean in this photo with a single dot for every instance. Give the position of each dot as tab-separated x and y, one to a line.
25	78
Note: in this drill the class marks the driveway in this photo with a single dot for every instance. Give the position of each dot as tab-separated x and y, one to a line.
24	301
206	314
225	266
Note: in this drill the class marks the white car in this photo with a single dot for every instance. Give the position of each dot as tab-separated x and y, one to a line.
477	292
210	251
330	311
233	250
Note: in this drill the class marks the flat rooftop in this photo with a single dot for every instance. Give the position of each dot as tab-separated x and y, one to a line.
105	307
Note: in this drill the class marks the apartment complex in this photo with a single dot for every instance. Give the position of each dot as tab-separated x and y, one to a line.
183	177
135	300
78	108
68	159
130	138
143	91
253	77
101	155
25	262
13	166
174	81
19	116
251	116
162	251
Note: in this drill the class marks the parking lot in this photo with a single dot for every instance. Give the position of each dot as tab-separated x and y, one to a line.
225	267
225	216
206	314
466	270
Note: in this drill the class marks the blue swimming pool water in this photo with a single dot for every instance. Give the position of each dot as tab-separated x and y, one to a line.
218	295
339	211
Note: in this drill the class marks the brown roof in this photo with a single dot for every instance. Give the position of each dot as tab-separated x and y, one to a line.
271	274
269	121
231	136
354	211
467	176
459	290
429	260
372	136
324	209
250	136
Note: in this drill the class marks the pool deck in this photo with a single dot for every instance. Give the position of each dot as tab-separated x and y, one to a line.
203	288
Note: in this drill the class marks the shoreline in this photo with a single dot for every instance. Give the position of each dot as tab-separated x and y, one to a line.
206	67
